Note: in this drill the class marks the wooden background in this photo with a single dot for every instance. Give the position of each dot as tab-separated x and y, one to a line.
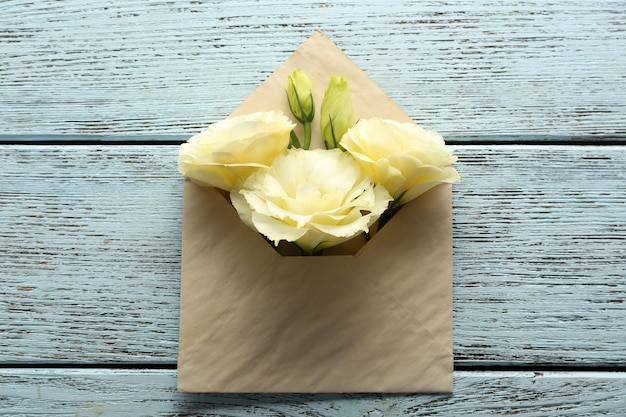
95	97
171	67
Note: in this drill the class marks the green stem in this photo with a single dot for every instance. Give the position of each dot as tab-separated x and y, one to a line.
307	134
294	142
316	251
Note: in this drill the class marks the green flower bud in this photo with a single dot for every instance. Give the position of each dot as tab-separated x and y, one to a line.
336	113
300	96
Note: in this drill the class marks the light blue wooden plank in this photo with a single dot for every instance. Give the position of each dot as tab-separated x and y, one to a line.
137	67
152	393
90	254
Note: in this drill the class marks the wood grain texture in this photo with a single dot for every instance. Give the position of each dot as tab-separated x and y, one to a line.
465	69
90	244
540	253
152	393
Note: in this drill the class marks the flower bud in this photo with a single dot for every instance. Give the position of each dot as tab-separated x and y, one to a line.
336	115
300	96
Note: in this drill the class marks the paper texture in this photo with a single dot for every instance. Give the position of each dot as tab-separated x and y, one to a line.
252	320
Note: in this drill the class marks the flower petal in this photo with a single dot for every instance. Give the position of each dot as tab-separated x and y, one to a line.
228	152
404	157
315	198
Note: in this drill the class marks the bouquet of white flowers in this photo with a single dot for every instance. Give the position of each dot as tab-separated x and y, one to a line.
317	198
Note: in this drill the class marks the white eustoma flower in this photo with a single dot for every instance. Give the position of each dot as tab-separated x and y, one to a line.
315	198
403	157
226	153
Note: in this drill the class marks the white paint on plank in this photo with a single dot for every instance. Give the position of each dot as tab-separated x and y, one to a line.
152	393
137	67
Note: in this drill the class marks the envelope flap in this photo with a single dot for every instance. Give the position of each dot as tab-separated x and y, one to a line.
418	277
212	233
320	57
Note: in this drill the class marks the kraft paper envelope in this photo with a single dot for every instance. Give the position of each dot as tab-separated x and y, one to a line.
376	320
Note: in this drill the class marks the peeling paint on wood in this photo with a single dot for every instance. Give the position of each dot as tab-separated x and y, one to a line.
151	393
465	69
